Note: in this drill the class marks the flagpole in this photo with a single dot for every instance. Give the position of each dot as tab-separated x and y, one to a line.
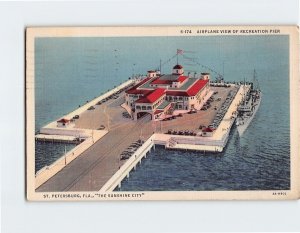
160	66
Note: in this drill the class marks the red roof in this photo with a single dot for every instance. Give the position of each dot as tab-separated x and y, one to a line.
63	120
160	81
164	81
134	90
207	130
153	96
181	79
177	93
177	67
158	111
193	90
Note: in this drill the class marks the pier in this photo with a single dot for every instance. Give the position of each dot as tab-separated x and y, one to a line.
98	165
56	138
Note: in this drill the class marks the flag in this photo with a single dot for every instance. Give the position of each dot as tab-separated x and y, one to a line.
179	51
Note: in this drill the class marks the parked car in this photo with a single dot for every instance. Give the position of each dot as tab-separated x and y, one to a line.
101	127
76	117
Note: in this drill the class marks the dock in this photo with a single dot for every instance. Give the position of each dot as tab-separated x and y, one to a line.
55	138
98	166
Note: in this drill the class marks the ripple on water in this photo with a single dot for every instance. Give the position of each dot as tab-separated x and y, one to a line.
47	152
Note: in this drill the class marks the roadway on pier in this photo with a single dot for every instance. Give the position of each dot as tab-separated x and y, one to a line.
96	165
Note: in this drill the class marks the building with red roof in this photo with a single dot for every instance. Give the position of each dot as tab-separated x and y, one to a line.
161	94
153	96
63	123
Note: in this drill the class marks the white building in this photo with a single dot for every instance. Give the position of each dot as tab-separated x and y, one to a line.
160	95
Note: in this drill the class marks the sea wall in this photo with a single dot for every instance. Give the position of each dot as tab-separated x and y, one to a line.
75	132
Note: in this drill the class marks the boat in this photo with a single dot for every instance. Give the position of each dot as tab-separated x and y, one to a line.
249	105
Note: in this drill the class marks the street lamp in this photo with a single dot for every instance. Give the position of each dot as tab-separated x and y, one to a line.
133	70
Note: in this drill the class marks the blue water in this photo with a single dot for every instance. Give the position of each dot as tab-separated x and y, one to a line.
48	152
70	71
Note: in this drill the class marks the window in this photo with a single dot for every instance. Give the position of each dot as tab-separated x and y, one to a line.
138	107
143	107
148	107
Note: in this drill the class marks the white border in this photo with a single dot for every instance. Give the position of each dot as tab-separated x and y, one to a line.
21	216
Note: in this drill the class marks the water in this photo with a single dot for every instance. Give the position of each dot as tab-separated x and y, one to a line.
47	152
78	69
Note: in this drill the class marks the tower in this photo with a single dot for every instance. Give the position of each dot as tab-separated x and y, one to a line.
151	73
178	70
205	76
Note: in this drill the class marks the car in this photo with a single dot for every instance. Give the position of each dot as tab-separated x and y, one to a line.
201	126
124	157
101	127
181	132
76	117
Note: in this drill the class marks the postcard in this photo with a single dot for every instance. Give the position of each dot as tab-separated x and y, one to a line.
162	113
